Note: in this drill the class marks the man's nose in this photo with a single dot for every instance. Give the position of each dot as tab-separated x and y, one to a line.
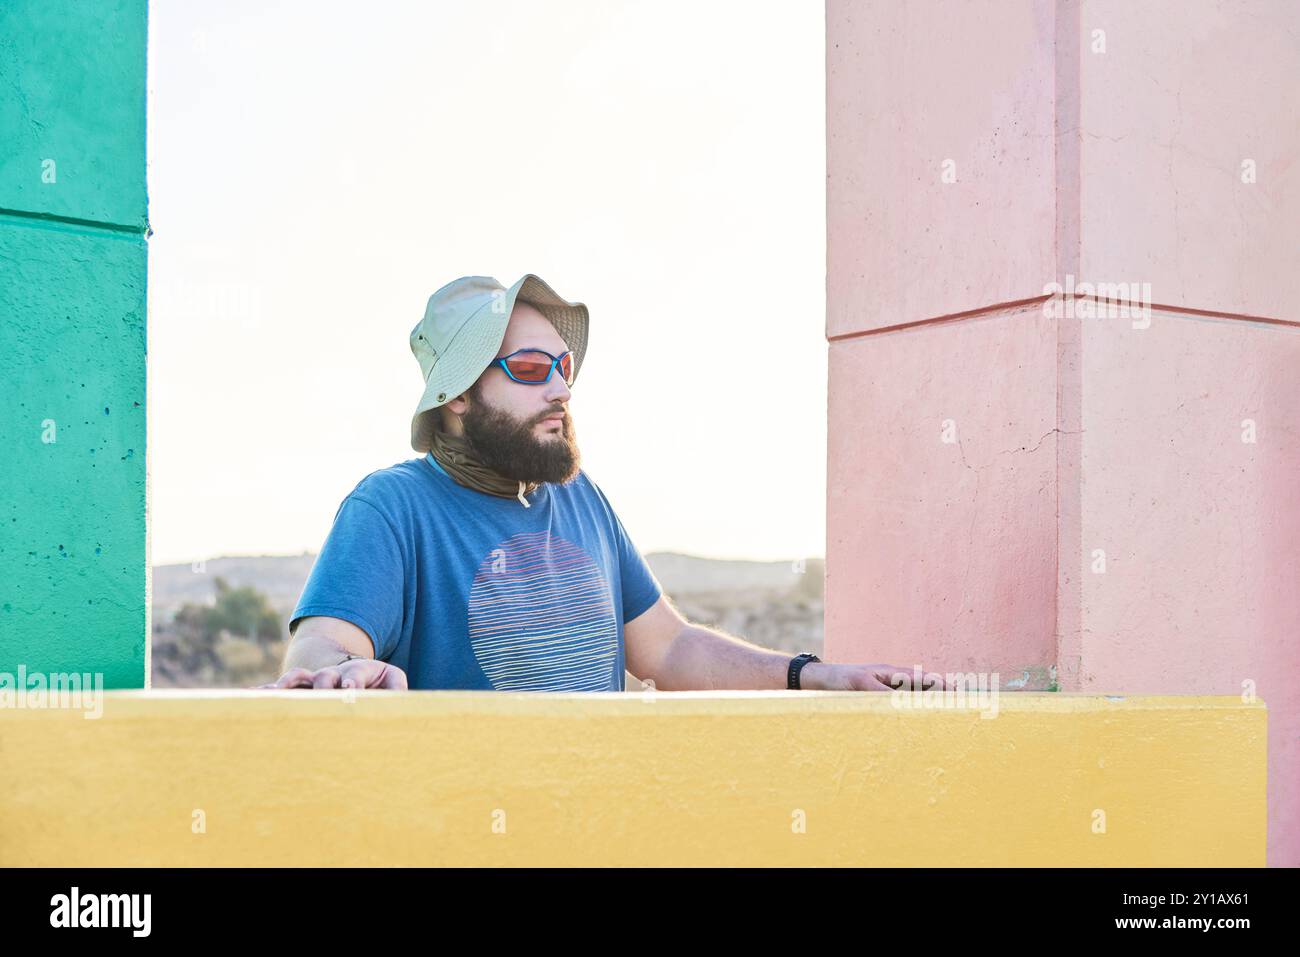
557	390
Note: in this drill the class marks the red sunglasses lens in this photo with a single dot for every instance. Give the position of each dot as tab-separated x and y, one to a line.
529	366
535	366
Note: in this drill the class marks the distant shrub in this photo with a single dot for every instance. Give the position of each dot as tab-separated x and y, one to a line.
240	611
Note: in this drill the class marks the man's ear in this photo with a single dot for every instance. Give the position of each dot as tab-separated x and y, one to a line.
450	414
458	405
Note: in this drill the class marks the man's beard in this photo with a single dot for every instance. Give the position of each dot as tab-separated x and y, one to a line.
511	447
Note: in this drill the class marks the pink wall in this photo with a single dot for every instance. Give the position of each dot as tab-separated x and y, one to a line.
946	548
1068	435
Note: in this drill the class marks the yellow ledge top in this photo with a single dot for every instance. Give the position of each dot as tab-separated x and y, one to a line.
142	703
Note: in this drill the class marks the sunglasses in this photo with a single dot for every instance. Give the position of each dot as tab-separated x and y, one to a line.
534	366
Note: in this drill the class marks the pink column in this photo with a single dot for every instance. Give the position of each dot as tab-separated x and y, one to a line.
1017	485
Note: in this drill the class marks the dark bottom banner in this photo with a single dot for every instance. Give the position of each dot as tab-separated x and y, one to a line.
308	907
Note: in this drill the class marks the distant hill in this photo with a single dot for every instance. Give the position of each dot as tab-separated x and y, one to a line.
687	574
281	578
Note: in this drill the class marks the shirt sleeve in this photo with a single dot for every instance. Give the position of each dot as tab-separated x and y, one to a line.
359	576
640	587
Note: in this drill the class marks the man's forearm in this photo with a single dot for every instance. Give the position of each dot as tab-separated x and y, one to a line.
701	659
314	652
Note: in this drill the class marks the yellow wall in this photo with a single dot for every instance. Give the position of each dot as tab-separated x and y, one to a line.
690	778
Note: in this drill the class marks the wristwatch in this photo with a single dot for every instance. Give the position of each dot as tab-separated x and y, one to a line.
796	666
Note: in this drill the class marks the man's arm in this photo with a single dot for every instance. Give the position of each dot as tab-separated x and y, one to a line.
663	647
320	642
701	658
317	657
666	649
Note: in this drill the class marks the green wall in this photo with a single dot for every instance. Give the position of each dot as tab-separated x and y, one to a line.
73	564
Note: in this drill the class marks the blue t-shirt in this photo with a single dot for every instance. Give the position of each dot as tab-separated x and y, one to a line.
463	589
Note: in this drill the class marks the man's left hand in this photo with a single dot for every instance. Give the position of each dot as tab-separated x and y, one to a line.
824	676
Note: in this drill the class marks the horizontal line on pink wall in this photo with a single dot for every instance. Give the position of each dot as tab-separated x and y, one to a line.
1272	320
951	317
1018	303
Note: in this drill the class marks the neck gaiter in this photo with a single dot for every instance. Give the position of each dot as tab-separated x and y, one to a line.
457	456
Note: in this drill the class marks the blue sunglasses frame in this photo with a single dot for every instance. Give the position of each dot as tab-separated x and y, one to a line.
555	364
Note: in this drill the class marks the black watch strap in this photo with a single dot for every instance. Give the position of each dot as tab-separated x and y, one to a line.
796	666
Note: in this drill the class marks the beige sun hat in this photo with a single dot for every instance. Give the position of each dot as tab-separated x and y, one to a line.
462	330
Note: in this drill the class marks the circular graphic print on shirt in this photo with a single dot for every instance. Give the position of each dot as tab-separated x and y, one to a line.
541	617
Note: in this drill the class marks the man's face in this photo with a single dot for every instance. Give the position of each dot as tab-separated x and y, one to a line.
523	431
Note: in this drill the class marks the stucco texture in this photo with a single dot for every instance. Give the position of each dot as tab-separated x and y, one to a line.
732	779
1129	519
73	556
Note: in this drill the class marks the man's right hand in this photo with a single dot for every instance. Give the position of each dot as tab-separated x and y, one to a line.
354	673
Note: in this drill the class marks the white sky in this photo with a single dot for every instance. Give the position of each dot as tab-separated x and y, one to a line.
317	169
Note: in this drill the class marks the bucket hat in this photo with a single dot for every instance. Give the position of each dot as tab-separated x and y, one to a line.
462	330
